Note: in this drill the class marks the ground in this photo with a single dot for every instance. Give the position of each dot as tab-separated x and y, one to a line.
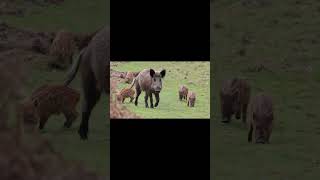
86	16
195	75
275	45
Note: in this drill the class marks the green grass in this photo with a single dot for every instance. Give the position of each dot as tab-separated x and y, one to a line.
195	75
77	16
283	37
71	15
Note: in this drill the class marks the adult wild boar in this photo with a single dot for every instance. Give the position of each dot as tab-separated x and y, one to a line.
93	61
149	81
234	97
260	118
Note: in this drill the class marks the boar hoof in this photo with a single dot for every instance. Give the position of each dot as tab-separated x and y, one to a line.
156	105
67	125
225	121
83	134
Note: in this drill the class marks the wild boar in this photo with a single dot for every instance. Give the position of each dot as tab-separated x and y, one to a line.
261	118
125	93
62	48
234	97
183	92
48	100
149	81
92	63
130	76
191	99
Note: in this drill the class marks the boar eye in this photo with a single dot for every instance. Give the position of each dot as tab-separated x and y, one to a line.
154	79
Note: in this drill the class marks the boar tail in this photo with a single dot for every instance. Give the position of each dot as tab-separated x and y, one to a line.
133	82
74	69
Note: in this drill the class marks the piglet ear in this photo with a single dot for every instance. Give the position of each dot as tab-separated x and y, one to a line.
163	73
152	72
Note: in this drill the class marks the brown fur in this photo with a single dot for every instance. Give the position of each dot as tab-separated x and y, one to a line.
54	99
260	118
62	48
130	76
234	96
191	99
125	93
82	40
92	63
183	92
149	81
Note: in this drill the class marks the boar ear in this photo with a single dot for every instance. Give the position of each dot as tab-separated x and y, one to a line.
163	73
152	72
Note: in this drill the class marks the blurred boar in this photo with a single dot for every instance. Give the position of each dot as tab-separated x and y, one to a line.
260	118
48	100
191	99
130	76
234	97
62	48
183	92
149	81
94	65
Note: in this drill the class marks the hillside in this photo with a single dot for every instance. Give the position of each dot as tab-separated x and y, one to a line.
86	16
275	45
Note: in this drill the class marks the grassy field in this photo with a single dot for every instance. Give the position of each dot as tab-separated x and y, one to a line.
82	17
195	75
282	37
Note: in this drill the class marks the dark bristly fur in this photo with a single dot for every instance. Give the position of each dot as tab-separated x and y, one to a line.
92	61
149	81
234	96
260	118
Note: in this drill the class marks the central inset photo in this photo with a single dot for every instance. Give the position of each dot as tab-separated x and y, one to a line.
160	89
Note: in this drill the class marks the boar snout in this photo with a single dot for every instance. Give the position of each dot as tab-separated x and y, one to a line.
260	141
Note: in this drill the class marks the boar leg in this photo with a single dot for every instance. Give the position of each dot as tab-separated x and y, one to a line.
250	133
151	100
43	120
244	113
146	99
157	99
70	117
138	90
269	130
91	97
